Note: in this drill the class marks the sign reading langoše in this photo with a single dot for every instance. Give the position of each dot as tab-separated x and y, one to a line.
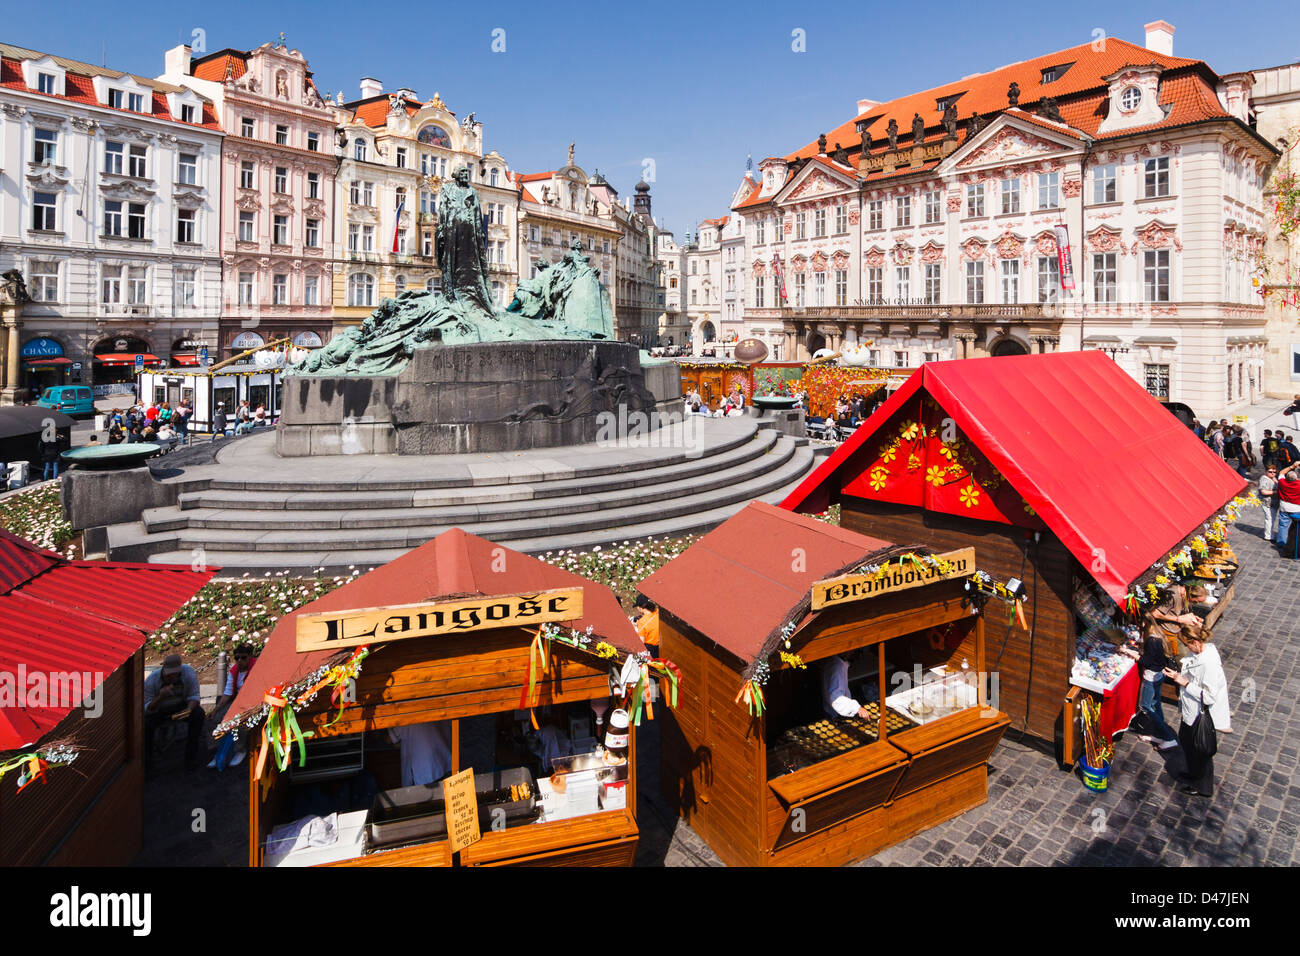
331	629
856	587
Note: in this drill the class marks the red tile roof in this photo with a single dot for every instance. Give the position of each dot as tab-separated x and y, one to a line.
533	177
85	617
215	65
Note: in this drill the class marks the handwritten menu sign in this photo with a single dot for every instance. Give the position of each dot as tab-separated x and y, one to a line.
462	810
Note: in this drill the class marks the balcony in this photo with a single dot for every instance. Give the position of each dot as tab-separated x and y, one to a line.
916	312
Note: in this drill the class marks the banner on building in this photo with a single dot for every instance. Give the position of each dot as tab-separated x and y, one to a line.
1063	259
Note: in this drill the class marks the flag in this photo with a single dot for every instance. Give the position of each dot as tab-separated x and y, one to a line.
1066	267
397	228
780	279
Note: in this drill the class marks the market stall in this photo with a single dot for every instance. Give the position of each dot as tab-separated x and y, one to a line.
253	382
1065	474
458	655
752	758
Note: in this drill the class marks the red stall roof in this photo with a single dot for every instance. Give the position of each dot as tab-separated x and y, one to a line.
735	592
1106	467
84	617
454	564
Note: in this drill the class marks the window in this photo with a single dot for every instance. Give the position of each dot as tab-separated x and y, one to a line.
492	177
1010	280
1130	98
426	247
136	165
903	282
113	158
311	291
534	232
280	230
247	172
1105	277
929	356
183	288
933	283
819	222
1049	279
281	135
433	284
903	211
760	228
135	220
1155	275
136	284
1104	184
400	157
45	148
111	285
933	206
112	218
187	169
800	290
311	237
1010	190
313	142
367	238
1050	74
188	114
362	193
875	284
359	152
819	288
281	179
1156	177
279	289
135	102
115	99
45	83
801	225
974	200
900	359
1049	190
841	218
974	283
1157	380
604	247
246	221
876	214
44	284
247	128
313	185
246	288
758	293
184	225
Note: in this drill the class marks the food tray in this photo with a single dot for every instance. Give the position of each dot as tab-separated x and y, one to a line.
801	747
417	814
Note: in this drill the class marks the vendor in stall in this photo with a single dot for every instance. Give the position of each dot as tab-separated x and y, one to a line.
1174	612
426	757
836	700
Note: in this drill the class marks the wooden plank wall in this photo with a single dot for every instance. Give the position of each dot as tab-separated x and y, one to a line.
1000	550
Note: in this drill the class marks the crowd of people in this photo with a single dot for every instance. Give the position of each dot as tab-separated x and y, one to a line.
730	405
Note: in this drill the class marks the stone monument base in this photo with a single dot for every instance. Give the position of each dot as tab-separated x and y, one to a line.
456	399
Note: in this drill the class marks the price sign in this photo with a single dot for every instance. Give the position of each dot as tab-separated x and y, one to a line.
462	810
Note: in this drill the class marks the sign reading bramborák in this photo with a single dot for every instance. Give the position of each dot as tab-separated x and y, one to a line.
336	629
857	587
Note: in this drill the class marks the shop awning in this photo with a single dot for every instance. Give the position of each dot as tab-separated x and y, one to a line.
1101	462
56	360
184	358
126	358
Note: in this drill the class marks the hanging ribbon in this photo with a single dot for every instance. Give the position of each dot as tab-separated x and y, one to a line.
669	675
639	695
539	656
752	695
281	733
337	678
31	766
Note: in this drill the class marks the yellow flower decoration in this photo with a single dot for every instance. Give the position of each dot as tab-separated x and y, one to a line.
950	450
913	462
910	431
1029	510
1162	580
1152	592
605	650
889	453
935	475
878	478
956	470
793	660
970	496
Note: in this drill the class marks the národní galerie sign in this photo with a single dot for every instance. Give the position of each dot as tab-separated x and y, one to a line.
856	587
331	629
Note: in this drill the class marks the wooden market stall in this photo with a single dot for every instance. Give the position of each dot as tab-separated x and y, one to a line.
750	757
203	389
1065	475
468	658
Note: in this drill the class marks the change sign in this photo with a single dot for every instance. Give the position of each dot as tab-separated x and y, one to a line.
857	587
336	629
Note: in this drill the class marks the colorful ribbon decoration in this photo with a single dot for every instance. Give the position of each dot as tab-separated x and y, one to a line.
281	733
31	766
336	678
539	662
752	694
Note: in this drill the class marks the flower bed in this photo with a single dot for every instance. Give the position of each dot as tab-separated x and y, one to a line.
37	516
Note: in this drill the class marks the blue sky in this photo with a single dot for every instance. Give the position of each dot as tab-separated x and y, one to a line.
692	86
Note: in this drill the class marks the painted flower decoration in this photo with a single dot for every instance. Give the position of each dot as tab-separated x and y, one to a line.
1162	580
970	496
889	453
910	430
935	475
879	476
950	450
1029	509
913	462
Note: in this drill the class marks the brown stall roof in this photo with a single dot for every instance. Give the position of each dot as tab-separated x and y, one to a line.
456	563
741	581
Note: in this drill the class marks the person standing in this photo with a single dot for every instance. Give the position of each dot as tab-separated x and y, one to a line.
1217	440
1247	449
1267	447
1269	500
1294	411
1233	450
1288	493
1204	692
219	421
1155	658
1287	453
51	449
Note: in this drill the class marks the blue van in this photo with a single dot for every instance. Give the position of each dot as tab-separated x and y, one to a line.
69	399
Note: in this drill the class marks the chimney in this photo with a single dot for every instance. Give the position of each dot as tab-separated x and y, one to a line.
1160	37
370	87
176	61
864	105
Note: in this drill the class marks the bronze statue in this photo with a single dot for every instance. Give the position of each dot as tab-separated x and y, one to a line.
1049	110
841	155
974	125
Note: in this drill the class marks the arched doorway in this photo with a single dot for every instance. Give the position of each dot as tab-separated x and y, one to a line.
814	342
115	359
1008	346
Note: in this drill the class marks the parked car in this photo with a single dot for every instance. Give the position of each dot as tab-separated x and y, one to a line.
69	399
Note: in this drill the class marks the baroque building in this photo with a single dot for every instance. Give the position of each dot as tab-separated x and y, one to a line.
277	192
929	225
635	265
673	324
704	288
397	152
109	210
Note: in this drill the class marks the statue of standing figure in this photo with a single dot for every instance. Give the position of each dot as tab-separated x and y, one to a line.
462	249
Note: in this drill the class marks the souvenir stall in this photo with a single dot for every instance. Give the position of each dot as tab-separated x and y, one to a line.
832	698
1069	479
459	655
715	379
258	381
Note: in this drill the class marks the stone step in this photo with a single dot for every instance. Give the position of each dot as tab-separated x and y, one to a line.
237	562
778	450
632	475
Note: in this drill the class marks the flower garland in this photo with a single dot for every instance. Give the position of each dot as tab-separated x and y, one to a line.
31	765
982	583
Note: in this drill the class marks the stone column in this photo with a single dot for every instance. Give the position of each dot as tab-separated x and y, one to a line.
9	388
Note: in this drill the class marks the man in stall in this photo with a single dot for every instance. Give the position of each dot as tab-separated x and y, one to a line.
426	757
836	699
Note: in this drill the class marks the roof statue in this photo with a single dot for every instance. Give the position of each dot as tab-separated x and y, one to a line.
950	121
564	301
974	125
866	140
841	155
1013	94
1049	110
571	154
821	144
918	129
892	132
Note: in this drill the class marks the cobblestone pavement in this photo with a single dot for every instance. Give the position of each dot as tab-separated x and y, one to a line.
1037	814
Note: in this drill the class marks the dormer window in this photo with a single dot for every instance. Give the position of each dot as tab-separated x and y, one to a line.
135	102
1053	73
115	98
188	114
359	150
45	83
1130	99
943	102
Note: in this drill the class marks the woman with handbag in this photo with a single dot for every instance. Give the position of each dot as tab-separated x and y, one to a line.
1203	702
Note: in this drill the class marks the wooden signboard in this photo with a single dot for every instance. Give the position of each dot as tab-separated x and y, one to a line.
858	587
462	810
337	629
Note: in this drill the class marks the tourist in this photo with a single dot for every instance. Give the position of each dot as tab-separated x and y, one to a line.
1268	499
1173	613
151	413
172	693
1267	447
164	414
1198	429
1287	453
259	417
1288	493
51	449
1248	459
181	419
1203	686
219	421
166	433
1155	658
115	434
235	677
94	440
1294	411
243	418
1233	450
1218	439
